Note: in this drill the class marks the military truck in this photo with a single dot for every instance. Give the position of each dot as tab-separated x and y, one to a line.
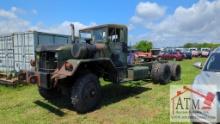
101	52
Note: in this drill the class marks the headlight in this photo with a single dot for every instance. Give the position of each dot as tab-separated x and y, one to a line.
37	56
56	56
33	63
68	66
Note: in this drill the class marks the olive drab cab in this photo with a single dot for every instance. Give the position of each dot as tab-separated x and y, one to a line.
101	52
114	37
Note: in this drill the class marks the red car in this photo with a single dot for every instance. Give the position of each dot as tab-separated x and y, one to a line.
171	56
140	54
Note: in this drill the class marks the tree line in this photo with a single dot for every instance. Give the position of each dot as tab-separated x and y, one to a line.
145	45
201	45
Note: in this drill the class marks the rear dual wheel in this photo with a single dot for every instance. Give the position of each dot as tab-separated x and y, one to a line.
161	73
175	71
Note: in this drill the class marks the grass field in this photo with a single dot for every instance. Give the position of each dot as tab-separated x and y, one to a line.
133	102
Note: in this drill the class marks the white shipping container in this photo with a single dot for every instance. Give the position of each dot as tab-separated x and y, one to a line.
18	49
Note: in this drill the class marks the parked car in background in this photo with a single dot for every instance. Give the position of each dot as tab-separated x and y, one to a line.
171	55
135	56
155	53
143	56
209	76
187	53
195	52
205	52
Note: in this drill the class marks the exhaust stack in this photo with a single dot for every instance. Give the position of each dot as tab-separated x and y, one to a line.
73	33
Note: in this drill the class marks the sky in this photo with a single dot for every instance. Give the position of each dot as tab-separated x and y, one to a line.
164	22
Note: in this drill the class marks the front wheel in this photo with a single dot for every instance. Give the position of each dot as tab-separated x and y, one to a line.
86	93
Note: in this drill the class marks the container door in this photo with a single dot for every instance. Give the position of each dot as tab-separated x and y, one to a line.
28	50
6	55
18	44
2	56
24	51
10	55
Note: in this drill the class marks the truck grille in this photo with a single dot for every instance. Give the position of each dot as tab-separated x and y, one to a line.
47	62
45	80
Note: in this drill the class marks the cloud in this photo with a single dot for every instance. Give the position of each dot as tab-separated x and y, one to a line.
10	21
63	28
200	22
7	14
34	11
197	23
147	11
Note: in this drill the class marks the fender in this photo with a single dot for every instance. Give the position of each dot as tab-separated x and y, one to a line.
63	73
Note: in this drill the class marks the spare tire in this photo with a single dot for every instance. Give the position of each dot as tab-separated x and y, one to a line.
175	71
161	73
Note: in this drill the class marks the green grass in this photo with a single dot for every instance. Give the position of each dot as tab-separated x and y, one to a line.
133	102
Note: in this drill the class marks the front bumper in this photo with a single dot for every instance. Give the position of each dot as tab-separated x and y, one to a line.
45	80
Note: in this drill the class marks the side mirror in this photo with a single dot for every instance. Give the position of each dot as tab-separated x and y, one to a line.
198	65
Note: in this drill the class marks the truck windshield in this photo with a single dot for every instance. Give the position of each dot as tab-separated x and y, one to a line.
84	36
98	35
213	63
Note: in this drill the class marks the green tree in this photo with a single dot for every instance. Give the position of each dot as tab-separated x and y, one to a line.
201	45
144	45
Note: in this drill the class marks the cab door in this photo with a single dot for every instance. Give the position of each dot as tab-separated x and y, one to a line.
117	39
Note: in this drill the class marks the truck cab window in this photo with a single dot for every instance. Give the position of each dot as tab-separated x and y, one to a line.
116	35
99	35
85	37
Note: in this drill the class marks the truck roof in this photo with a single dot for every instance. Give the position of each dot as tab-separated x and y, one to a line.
105	25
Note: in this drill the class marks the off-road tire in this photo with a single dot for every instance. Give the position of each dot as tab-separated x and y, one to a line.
48	94
175	71
86	93
161	73
154	72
